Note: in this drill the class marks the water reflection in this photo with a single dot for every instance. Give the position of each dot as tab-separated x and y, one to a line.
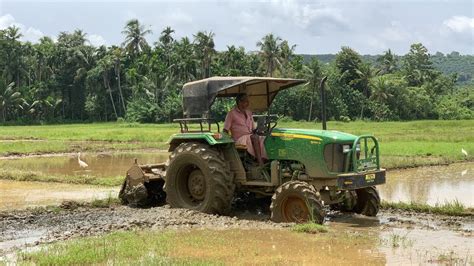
102	164
431	185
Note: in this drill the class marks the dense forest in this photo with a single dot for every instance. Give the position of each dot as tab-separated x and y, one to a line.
69	80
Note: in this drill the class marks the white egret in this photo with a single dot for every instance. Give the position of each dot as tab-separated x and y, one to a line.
82	164
464	152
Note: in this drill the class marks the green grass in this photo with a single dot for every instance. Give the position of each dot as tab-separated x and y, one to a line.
115	248
453	208
19	175
310	228
403	144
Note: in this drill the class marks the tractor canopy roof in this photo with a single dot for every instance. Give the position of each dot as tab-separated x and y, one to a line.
198	96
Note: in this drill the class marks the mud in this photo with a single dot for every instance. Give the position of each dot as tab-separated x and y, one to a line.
20	194
31	227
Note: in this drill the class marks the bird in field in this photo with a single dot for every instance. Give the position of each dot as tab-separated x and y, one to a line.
464	152
82	164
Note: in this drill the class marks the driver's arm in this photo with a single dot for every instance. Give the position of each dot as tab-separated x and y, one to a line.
227	123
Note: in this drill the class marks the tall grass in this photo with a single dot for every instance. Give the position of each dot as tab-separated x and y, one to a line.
454	208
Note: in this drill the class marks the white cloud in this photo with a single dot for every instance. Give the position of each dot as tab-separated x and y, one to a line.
29	33
459	28
395	32
6	21
316	18
460	24
96	40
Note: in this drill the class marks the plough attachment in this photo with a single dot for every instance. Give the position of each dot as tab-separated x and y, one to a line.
143	185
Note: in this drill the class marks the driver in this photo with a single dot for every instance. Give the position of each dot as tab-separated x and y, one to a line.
239	122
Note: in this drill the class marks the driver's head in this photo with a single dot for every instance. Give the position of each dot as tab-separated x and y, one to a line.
242	101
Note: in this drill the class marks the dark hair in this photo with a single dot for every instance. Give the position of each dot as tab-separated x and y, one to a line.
240	97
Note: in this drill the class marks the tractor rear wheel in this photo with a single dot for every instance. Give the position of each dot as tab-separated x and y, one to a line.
368	201
198	178
297	202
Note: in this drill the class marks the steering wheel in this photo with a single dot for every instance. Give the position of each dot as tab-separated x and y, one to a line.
265	124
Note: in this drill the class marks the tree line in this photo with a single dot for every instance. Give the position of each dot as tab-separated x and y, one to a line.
69	80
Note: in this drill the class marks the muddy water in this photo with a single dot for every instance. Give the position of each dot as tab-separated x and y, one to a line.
19	195
102	164
407	245
431	185
277	247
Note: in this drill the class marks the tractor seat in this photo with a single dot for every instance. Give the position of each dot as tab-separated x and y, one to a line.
241	147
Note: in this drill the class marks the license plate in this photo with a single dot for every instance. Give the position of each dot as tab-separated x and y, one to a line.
369	178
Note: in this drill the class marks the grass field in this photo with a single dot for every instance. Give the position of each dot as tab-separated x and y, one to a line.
403	144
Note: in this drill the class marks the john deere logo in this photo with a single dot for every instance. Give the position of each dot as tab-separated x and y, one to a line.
370	178
282	152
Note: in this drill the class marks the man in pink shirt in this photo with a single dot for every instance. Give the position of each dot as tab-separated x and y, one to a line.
239	122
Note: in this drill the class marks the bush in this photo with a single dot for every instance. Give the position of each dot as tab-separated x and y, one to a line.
141	110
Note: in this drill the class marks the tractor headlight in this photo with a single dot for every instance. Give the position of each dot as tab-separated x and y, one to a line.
346	148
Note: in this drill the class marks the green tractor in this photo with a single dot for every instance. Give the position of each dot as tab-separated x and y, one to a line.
307	169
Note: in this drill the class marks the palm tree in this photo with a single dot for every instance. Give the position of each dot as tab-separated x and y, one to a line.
13	62
312	74
9	98
185	63
380	89
166	41
135	41
286	53
387	62
204	47
117	57
270	48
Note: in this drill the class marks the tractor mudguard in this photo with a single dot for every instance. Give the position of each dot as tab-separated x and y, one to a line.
203	137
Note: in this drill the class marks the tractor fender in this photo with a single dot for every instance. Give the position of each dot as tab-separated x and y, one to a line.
212	139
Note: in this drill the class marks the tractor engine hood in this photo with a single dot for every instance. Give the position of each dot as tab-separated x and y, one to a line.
328	136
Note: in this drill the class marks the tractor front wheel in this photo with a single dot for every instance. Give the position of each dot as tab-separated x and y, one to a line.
198	178
297	202
368	201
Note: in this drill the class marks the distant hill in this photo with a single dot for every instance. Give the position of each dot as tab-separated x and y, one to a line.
450	63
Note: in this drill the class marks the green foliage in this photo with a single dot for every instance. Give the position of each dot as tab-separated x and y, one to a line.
453	208
70	80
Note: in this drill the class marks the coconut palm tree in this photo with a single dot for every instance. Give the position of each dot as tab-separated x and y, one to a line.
387	62
9	98
313	75
135	41
270	48
204	47
166	42
380	89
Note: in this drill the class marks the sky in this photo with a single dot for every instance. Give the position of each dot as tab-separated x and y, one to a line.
316	27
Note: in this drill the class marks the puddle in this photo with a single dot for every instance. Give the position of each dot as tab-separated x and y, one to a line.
20	195
416	246
102	164
342	245
20	238
278	247
431	185
410	245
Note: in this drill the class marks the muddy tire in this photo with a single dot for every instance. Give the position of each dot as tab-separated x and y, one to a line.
368	201
297	202
198	178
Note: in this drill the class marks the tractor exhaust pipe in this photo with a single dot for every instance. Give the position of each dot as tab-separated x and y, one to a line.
323	101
